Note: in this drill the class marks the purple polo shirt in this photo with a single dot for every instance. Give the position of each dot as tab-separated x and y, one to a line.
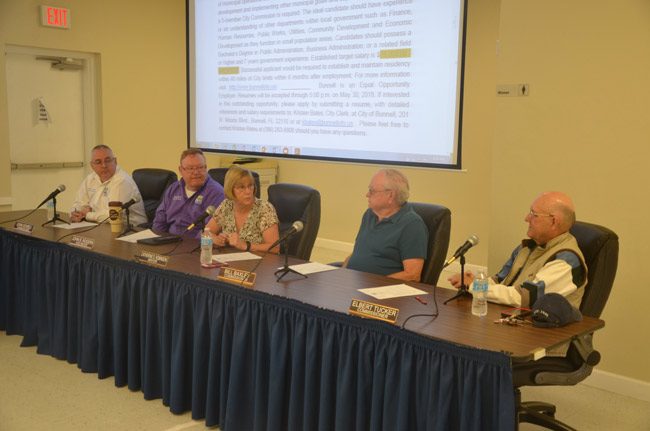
176	211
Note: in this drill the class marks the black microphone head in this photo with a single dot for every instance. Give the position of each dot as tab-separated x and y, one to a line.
473	240
297	226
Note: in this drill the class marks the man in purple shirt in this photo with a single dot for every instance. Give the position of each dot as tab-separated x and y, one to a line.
187	199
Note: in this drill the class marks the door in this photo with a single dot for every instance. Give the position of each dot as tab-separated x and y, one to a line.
52	123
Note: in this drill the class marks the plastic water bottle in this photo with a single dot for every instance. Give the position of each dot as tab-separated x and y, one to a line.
479	294
49	207
206	248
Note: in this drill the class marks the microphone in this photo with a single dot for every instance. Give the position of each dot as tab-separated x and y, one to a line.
208	212
295	228
128	204
53	194
471	242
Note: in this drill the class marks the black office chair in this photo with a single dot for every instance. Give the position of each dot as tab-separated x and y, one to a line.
295	202
438	221
599	246
152	183
219	175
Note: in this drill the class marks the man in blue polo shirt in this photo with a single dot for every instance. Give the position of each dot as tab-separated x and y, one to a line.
185	200
392	239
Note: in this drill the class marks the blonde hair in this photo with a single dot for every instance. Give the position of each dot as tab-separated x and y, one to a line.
233	176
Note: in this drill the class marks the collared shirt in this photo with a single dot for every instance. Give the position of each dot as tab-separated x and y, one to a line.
177	211
120	187
382	246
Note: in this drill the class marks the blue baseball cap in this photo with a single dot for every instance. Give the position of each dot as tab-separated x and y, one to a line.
553	310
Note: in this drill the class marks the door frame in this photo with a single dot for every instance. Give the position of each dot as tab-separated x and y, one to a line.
90	91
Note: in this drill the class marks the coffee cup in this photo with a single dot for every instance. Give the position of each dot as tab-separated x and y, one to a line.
115	216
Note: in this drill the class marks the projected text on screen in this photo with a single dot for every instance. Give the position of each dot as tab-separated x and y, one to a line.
351	80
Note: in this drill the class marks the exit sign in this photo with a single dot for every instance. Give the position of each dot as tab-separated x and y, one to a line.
52	16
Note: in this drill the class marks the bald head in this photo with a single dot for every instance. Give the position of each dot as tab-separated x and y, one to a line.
551	214
561	206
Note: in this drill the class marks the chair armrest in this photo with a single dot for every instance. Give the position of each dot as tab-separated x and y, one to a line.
586	353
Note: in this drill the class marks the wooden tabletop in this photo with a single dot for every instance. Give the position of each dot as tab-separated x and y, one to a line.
334	290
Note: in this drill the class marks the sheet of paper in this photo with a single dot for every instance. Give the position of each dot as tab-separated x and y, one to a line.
134	237
393	291
312	267
74	225
233	257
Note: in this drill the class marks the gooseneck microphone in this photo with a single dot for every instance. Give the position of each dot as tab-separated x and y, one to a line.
128	204
207	213
471	242
53	194
295	228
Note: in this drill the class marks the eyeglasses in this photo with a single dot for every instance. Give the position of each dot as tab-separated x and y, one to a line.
193	168
105	161
241	187
372	191
535	214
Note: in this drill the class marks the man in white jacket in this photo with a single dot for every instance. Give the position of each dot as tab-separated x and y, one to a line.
550	261
107	183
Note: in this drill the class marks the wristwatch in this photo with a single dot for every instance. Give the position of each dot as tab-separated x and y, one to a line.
248	246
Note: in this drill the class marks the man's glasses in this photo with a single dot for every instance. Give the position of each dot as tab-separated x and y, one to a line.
372	191
106	161
535	214
193	168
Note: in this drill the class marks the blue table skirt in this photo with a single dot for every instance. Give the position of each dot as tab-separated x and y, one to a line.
241	359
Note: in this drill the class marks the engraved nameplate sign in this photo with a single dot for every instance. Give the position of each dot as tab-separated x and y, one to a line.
373	311
152	259
82	242
237	276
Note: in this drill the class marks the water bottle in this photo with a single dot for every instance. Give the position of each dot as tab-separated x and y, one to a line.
49	207
479	294
206	248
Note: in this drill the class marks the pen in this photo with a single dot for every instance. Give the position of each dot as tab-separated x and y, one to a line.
420	300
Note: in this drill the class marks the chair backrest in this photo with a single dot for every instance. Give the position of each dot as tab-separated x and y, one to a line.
219	175
599	246
438	221
295	202
152	183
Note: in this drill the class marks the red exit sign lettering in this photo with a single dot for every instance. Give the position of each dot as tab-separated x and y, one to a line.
52	16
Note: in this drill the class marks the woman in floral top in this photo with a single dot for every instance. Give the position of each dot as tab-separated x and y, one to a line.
243	221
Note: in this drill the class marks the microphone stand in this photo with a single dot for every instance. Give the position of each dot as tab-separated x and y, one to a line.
285	270
462	290
55	217
128	228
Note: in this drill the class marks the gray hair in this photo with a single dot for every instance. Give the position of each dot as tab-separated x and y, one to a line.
397	181
101	147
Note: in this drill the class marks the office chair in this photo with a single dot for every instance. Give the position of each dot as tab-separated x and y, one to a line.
438	221
219	175
152	183
599	246
295	202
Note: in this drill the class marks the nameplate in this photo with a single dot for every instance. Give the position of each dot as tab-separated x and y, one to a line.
152	259
373	311
237	276
82	242
24	227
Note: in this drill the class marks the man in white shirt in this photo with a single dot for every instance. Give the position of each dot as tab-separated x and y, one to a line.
107	183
